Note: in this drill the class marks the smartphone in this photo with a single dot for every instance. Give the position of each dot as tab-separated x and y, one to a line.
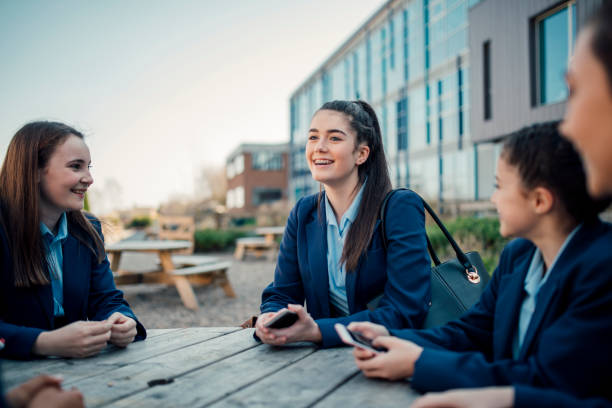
283	319
356	339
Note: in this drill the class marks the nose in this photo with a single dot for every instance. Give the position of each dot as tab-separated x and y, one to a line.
87	178
321	145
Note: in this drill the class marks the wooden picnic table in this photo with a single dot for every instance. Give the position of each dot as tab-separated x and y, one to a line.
260	245
219	367
169	272
270	233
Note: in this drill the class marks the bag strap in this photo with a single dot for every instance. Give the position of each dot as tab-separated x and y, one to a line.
470	269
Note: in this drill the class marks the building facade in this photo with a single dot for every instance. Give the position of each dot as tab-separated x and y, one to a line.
256	174
448	79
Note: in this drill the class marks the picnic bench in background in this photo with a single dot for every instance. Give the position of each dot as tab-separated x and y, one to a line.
265	244
219	367
179	270
177	227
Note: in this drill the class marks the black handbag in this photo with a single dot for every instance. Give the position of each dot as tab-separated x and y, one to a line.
455	284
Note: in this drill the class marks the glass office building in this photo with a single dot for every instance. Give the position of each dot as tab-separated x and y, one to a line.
410	60
448	80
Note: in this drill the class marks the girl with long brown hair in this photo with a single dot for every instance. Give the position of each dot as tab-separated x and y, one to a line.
331	256
57	294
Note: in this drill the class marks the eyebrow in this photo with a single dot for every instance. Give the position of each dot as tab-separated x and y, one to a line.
77	161
329	131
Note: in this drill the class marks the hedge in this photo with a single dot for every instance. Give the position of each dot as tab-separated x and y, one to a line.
472	234
216	240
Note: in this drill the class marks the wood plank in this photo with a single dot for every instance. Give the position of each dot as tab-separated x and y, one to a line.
203	268
15	372
297	385
111	386
214	382
361	391
159	332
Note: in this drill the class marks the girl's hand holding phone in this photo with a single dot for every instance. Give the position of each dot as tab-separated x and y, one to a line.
396	363
304	329
368	329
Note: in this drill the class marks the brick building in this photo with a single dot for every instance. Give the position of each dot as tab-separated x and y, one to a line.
256	174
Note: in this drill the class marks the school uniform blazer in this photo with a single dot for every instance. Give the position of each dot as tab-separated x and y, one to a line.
89	294
526	397
402	274
567	344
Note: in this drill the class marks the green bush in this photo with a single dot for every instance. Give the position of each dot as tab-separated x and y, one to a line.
215	240
472	234
140	222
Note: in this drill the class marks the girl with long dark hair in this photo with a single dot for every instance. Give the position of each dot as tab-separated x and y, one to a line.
331	256
57	294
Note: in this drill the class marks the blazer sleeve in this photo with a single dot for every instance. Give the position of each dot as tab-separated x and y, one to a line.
407	291
287	286
104	298
527	396
19	340
582	330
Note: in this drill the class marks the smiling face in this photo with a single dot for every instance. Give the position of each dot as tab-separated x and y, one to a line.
332	152
588	119
65	179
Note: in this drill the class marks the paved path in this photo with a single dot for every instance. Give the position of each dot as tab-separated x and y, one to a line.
159	307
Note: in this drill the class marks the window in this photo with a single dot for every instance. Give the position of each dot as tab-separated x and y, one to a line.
405	43
267	161
391	42
368	68
383	57
238	165
262	195
356	74
554	35
239	197
402	124
486	78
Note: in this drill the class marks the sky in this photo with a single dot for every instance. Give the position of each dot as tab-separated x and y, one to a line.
163	89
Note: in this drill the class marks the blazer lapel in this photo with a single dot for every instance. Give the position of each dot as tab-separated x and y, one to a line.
508	306
316	235
73	280
352	276
44	295
543	300
548	291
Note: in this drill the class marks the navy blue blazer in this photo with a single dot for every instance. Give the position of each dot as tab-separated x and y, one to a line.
526	397
402	273
567	344
89	294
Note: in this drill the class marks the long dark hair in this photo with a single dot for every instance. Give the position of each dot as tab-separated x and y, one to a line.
28	152
544	158
601	41
364	122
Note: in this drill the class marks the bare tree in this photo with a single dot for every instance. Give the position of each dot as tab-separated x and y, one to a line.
211	184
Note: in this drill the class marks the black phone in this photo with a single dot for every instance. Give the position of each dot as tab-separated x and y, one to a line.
283	319
356	339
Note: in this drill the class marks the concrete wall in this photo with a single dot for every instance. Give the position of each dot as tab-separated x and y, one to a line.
508	25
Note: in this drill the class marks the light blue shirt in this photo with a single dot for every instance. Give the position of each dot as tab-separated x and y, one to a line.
335	244
55	259
533	283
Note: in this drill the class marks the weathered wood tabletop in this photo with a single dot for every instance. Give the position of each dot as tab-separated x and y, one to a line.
219	367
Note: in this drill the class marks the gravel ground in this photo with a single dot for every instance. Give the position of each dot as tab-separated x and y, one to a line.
160	307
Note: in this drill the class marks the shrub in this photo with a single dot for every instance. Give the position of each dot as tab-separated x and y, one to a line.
472	234
139	222
215	240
